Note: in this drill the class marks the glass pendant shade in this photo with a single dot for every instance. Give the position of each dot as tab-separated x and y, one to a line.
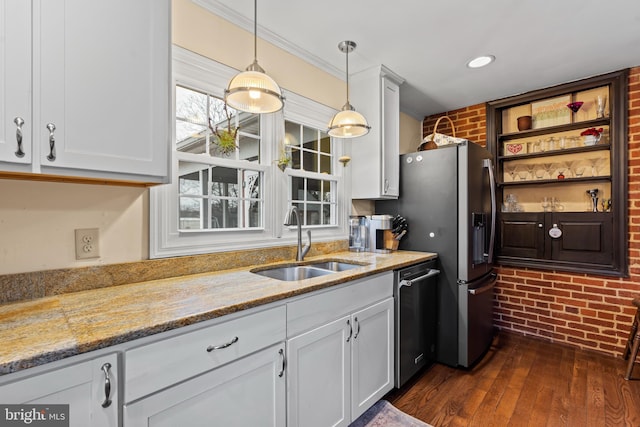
253	91
348	123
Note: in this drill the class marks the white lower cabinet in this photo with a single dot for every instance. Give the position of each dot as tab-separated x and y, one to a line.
90	388
229	373
247	392
337	370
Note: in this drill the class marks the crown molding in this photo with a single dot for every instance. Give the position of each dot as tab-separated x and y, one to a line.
228	14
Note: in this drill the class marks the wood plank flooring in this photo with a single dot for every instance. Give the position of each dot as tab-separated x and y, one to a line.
525	382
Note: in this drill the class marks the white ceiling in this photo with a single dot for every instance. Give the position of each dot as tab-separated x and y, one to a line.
537	43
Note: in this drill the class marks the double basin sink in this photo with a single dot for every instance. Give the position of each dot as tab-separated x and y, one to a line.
291	272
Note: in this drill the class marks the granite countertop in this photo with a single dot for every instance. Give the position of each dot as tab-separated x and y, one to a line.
44	330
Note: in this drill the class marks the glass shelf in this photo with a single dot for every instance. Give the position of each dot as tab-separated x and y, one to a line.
554	181
597	147
553	129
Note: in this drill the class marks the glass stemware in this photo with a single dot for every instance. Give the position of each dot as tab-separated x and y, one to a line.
595	163
601	103
511	170
531	168
571	166
523	174
575	106
548	168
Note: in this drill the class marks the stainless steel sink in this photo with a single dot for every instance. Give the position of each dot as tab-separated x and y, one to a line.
335	265
292	272
307	271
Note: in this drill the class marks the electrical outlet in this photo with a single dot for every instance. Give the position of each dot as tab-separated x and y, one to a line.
87	243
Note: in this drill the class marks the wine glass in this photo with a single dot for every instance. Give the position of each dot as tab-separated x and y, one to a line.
531	168
571	166
575	106
595	163
511	170
548	168
523	174
546	204
539	173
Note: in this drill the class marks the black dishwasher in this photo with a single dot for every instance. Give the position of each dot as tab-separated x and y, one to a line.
415	294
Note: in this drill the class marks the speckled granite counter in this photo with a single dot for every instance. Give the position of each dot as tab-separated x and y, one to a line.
43	330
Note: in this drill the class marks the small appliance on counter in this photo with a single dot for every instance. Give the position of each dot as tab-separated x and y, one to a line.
358	233
377	225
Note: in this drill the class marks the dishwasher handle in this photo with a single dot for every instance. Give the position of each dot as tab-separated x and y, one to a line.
409	282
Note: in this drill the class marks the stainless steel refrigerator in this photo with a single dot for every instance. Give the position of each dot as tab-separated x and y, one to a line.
447	196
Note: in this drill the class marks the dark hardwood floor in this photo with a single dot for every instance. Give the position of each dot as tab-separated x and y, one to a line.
525	382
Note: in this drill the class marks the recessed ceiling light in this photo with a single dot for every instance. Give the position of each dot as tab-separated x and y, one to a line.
481	61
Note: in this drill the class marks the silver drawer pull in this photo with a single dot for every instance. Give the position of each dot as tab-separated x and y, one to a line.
221	346
107	385
52	142
19	121
357	328
284	361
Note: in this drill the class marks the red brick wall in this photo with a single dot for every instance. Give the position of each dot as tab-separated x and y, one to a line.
589	312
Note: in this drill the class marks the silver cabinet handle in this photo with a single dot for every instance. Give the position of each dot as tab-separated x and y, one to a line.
410	282
19	121
357	328
350	330
52	142
107	385
284	362
221	346
386	185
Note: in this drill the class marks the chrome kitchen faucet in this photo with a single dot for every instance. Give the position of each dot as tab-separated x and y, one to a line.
292	213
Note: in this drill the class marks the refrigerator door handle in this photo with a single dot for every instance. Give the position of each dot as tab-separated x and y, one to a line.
483	289
492	183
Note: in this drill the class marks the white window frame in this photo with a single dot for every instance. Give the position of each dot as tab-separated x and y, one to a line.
165	240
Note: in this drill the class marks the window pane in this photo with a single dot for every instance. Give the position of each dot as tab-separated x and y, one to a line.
326	214
292	134
325	164
219	117
314	190
325	143
193	178
253	213
251	185
224	181
249	148
190	137
313	214
327	194
295	158
297	188
310	161
191	106
249	123
310	138
224	213
190	213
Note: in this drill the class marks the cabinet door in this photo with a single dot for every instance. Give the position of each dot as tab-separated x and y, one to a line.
101	77
372	356
522	235
587	237
15	81
390	139
82	386
247	392
319	376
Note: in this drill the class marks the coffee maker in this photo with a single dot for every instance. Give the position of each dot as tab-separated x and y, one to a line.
377	225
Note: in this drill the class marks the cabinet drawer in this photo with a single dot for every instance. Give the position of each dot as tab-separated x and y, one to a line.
158	365
319	308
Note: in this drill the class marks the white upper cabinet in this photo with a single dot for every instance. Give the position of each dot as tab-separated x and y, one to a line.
101	89
15	82
375	93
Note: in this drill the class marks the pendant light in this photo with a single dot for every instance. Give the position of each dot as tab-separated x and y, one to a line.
348	123
253	90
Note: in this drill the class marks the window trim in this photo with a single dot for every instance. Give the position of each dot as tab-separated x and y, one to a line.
165	240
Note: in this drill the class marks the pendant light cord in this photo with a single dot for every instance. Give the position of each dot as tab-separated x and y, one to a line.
255	30
347	56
